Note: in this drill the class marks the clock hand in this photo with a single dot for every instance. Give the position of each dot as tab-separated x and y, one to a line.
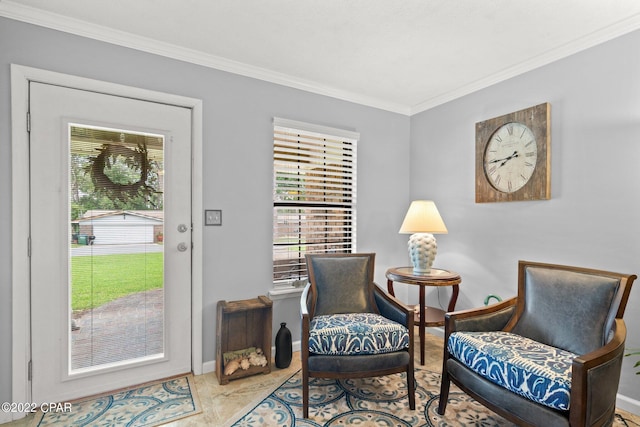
506	159
515	154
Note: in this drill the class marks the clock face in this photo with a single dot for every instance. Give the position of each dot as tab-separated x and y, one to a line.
510	157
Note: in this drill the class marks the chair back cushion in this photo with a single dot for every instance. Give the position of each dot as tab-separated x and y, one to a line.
342	283
566	309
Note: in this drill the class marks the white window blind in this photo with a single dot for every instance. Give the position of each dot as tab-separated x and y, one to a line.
314	195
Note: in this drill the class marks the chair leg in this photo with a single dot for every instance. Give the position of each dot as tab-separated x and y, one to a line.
445	382
411	387
305	393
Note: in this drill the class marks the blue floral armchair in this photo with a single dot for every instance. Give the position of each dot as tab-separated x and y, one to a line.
350	327
551	356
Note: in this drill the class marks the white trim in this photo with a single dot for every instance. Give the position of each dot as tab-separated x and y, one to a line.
628	404
208	367
5	417
563	51
21	316
20	78
81	28
196	236
314	128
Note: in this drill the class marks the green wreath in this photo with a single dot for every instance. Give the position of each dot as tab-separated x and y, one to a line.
134	159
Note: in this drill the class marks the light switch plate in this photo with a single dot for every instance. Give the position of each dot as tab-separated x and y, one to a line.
213	217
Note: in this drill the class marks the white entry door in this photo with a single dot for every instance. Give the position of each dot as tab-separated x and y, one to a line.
106	316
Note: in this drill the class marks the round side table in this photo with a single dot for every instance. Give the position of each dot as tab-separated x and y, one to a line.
426	316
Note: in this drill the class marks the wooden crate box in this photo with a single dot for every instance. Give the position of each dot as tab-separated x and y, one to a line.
240	326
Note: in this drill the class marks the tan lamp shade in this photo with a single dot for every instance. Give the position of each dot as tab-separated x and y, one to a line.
423	217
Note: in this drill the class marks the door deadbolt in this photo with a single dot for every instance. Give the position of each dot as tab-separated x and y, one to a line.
182	228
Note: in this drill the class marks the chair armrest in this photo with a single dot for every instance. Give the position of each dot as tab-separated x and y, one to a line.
306	318
594	380
485	319
392	308
490	318
304	301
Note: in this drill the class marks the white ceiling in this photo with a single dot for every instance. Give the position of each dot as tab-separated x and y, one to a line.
399	55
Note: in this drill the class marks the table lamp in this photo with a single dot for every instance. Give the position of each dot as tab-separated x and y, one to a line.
421	221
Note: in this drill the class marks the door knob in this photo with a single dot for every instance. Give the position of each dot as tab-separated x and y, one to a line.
182	246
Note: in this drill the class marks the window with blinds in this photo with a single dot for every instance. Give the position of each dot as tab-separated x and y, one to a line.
314	196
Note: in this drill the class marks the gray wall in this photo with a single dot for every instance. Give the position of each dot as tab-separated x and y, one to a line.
237	159
595	101
592	217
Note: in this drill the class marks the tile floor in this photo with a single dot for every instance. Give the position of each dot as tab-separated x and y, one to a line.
221	403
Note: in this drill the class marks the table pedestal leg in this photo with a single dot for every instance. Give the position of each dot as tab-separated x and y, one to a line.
435	317
422	323
454	298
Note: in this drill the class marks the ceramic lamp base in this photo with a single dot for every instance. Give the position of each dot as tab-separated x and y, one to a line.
422	251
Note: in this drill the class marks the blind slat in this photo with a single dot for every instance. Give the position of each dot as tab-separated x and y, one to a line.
314	195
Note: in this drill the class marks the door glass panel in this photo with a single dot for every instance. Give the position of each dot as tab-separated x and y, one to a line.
116	278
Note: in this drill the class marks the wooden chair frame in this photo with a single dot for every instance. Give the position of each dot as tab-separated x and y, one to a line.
591	402
383	302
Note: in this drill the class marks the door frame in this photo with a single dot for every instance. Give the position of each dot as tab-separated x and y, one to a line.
21	312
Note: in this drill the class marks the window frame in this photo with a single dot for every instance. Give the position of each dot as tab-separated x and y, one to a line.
338	181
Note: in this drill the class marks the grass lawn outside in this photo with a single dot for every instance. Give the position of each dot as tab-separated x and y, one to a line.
99	279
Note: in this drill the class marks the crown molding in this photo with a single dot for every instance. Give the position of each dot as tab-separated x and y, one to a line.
598	37
59	22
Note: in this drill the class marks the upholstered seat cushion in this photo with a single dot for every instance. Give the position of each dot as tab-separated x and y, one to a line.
356	333
536	371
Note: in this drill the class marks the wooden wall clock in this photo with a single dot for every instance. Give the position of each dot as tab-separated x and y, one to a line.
513	156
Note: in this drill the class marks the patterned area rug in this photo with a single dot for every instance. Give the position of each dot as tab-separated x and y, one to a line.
147	405
369	402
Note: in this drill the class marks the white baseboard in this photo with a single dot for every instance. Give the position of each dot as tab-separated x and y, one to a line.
628	404
7	417
295	345
211	365
208	367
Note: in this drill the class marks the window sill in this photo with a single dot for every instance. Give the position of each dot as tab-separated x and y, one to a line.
285	293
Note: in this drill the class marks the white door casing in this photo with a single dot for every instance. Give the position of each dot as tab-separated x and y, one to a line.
21	76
